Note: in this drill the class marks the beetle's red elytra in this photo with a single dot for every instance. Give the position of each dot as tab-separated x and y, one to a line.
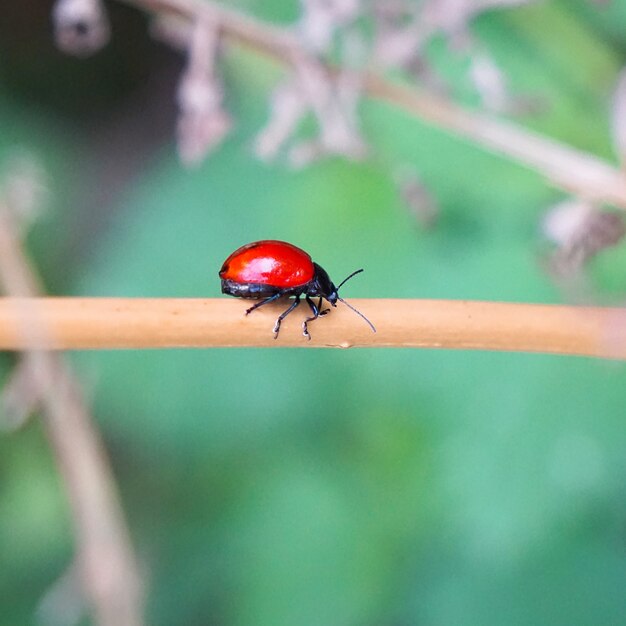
267	270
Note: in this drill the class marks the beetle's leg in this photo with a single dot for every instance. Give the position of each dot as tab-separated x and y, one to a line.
262	302
316	313
319	306
283	315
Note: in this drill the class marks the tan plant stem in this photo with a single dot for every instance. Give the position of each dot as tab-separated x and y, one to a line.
106	323
107	564
573	170
21	396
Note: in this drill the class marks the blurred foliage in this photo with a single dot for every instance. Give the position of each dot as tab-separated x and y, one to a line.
330	488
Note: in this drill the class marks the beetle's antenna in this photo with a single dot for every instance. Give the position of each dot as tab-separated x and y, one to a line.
351	307
345	280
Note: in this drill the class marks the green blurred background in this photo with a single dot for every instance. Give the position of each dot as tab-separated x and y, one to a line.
331	488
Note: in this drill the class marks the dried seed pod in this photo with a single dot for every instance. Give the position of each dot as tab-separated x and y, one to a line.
288	107
203	122
81	27
581	231
417	197
321	19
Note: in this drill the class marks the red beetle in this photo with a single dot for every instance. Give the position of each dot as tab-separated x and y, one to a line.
266	270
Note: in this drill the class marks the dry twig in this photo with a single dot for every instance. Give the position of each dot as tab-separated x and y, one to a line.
105	323
575	171
106	561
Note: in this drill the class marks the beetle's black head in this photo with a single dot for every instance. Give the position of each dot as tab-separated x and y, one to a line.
323	286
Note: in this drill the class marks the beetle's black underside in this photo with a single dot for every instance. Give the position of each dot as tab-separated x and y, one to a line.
256	290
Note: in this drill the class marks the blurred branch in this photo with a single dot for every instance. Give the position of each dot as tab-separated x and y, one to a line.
108	568
573	170
105	323
21	396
